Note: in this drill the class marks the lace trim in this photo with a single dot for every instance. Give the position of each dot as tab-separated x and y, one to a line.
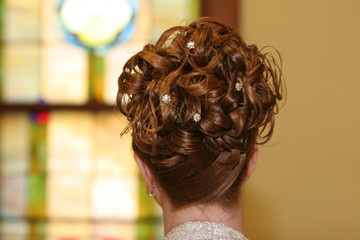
203	231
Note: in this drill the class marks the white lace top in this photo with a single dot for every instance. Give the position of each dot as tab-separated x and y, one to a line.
203	231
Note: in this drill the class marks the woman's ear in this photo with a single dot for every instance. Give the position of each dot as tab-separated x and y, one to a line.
146	173
252	162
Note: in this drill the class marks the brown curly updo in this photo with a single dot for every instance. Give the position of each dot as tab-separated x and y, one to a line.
197	101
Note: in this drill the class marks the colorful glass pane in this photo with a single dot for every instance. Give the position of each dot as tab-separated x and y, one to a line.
99	24
67	195
114	231
36	194
65	169
70	141
21	20
64	70
116	57
113	152
62	230
63	74
50	32
38	142
14	143
21	73
13	195
14	230
114	197
153	18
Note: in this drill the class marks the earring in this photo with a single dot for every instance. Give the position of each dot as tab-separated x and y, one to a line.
152	194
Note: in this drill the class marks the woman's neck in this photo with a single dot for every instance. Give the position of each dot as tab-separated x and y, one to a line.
210	212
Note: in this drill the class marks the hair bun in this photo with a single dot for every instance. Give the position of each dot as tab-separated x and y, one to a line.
203	98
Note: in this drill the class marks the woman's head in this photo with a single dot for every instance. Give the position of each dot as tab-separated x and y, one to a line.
197	102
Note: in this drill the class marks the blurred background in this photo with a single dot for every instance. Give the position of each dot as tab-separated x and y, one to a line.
306	185
65	173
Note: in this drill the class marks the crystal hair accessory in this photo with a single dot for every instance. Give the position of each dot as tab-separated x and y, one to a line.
190	45
127	70
238	86
138	123
166	98
197	117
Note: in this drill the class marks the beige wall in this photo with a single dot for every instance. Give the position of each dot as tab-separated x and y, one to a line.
307	183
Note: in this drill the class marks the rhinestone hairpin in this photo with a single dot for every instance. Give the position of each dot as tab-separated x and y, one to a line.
127	70
166	98
190	45
197	117
238	86
138	123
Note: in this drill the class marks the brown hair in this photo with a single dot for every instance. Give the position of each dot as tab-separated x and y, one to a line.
199	160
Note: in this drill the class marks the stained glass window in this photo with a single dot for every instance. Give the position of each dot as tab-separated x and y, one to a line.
67	174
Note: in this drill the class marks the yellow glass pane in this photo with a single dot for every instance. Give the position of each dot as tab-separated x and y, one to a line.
114	231
64	74
113	152
50	31
70	141
67	195
21	21
56	230
114	197
13	230
13	197
14	140
21	73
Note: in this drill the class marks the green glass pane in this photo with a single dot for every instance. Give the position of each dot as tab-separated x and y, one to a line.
150	230
96	72
37	230
37	195
38	142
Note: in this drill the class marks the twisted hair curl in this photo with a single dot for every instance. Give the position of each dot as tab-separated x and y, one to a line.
205	160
